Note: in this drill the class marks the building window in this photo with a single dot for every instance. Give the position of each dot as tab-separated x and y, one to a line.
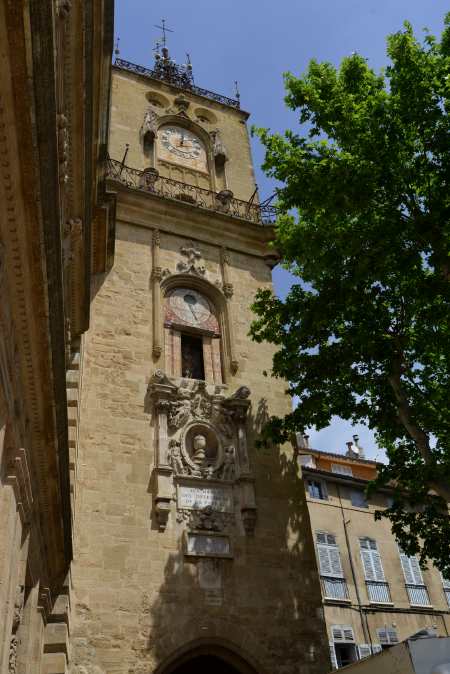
446	587
317	489
342	648
192	336
192	364
332	579
415	587
387	636
377	588
307	461
358	498
341	469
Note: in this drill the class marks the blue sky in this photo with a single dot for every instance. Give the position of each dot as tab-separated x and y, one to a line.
254	42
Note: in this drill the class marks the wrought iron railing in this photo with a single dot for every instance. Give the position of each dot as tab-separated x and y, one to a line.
150	181
178	77
378	592
418	595
334	588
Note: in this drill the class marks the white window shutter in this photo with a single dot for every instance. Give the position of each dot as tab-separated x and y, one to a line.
335	561
324	560
406	566
382	635
366	558
392	635
376	648
348	633
416	571
364	651
333	658
337	633
411	569
378	568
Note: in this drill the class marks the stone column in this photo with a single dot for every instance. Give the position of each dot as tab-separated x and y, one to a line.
229	316
162	390
156	291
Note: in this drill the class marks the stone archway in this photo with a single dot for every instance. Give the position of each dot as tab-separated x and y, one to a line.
206	658
207	664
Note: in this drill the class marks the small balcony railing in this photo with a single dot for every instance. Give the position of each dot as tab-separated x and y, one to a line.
378	592
224	202
334	588
418	595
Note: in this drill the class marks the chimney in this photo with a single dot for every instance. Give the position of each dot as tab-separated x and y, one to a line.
302	441
358	446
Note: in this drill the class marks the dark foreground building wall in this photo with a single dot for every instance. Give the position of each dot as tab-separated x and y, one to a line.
56	226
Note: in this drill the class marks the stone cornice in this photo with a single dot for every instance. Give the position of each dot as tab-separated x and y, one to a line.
31	272
146	210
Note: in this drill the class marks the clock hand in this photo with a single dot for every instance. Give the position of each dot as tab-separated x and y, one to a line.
193	312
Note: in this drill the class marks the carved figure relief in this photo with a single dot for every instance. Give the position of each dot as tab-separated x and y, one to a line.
149	125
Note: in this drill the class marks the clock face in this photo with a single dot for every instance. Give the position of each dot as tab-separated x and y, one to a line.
190	306
182	146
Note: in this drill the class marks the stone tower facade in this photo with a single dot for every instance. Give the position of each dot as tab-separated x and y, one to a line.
193	549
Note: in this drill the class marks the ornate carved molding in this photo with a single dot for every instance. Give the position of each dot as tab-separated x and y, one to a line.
18	475
156	277
63	8
191	264
63	148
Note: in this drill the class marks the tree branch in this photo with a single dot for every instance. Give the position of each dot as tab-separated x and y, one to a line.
419	436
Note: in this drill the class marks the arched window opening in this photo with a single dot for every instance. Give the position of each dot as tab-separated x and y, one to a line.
193	342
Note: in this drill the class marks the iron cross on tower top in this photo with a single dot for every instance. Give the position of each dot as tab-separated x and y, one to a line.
164	31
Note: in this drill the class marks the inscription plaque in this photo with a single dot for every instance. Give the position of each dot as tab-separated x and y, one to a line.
203	545
197	498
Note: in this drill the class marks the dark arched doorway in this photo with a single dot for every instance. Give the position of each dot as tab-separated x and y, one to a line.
204	657
205	664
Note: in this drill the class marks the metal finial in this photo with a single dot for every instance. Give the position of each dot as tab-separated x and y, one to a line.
164	31
116	49
236	90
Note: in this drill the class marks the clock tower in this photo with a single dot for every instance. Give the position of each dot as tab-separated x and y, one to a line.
193	549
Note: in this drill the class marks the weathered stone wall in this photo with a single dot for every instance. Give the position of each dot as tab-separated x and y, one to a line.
137	598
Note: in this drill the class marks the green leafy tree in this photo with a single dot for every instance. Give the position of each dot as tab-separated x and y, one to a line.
364	224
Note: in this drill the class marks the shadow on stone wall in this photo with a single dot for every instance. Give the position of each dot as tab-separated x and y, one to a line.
263	606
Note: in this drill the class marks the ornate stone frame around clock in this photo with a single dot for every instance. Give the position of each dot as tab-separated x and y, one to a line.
182	119
220	298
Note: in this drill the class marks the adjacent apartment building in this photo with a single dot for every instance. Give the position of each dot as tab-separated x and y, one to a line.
373	594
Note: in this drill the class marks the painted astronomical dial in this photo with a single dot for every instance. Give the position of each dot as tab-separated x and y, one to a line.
182	146
190	306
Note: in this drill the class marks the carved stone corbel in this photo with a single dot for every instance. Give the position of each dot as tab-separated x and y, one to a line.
228	290
156	277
